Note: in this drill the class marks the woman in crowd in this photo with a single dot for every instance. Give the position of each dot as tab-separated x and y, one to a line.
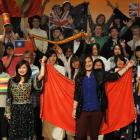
75	64
10	60
95	52
4	77
90	101
19	110
117	50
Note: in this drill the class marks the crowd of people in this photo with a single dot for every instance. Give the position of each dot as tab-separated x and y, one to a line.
109	51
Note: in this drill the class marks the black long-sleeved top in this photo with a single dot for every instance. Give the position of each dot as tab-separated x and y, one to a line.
101	77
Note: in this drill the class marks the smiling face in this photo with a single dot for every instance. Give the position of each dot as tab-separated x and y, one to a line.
88	64
22	70
57	10
68	52
52	59
98	31
76	64
36	23
117	50
100	19
136	32
114	33
56	33
120	63
95	50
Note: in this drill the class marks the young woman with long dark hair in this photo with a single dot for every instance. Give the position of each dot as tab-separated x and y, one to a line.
90	101
19	110
117	50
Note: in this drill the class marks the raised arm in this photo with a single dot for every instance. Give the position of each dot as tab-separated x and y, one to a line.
116	75
91	22
42	69
125	69
62	57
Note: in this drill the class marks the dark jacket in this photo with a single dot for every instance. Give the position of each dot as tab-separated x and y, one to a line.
101	77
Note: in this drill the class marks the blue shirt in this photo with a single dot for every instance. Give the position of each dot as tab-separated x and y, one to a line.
90	100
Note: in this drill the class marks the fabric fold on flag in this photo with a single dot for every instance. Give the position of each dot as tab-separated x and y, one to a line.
57	100
121	108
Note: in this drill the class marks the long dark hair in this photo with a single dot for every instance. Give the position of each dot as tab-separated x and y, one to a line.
121	57
89	48
49	53
82	70
27	76
99	60
2	68
97	46
121	49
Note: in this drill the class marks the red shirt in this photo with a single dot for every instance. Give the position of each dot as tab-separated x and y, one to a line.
11	70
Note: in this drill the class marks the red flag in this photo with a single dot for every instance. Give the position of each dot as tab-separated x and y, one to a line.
22	45
57	100
121	110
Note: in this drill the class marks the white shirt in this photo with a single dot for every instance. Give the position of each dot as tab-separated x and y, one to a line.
133	44
40	44
60	69
76	46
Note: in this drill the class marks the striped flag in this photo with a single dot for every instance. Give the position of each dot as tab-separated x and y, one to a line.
4	78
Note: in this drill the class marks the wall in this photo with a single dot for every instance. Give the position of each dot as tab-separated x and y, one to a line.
96	6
